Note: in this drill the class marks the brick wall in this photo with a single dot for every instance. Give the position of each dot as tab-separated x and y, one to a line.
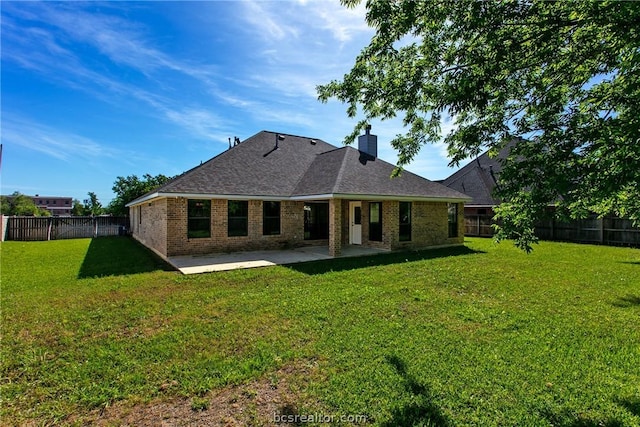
429	225
149	224
336	225
291	229
163	227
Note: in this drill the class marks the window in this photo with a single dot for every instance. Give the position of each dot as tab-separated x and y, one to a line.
316	221
405	222
375	221
238	218
357	214
270	218
199	218
453	219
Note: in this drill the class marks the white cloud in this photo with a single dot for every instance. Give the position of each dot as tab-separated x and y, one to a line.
52	142
200	122
342	22
265	22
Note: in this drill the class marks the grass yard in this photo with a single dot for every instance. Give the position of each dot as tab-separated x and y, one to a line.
479	335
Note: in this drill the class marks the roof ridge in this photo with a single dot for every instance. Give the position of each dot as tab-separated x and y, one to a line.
296	136
338	178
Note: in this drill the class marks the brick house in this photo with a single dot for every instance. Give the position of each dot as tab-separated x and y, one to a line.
276	191
478	179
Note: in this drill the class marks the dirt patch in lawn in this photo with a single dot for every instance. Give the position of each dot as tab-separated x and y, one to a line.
255	403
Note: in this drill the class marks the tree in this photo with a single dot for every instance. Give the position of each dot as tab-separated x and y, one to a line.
130	188
92	205
560	79
21	205
77	208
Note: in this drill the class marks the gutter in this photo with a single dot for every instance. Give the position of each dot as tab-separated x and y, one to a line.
405	198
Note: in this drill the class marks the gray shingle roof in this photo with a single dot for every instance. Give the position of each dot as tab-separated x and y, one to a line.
478	178
300	166
349	171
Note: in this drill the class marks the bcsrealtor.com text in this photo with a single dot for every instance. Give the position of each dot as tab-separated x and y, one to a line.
318	418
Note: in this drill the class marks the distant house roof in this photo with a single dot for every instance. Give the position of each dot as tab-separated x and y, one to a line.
299	168
479	178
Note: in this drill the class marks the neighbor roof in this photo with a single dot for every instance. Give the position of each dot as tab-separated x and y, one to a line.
299	168
478	179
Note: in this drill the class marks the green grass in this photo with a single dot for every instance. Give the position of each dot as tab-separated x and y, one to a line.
481	335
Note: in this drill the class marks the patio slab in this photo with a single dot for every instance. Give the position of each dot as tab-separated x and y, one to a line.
194	264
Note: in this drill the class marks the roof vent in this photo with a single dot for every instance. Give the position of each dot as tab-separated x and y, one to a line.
368	143
236	141
312	141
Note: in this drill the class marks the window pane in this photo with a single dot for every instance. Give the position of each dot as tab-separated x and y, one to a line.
453	219
239	208
198	218
271	218
238	218
405	222
271	208
375	221
316	221
374	212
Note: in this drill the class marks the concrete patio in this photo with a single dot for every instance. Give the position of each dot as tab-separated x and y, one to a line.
194	264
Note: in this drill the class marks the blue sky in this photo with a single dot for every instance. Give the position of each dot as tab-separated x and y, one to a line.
96	90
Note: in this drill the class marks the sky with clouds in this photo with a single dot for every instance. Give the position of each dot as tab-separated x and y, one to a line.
92	91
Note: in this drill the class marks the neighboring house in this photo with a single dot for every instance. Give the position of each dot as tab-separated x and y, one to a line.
277	191
478	179
58	206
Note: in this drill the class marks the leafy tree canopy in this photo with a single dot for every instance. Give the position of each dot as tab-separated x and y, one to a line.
78	208
132	187
92	206
21	205
561	78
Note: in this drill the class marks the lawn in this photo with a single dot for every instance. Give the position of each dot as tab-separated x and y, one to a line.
479	335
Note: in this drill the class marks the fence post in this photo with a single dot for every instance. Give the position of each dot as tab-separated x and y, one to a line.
95	226
49	224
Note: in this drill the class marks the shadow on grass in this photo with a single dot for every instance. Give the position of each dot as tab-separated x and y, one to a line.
421	413
632	404
353	263
114	256
627	301
569	418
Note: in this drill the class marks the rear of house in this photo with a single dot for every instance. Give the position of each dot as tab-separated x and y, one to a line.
276	191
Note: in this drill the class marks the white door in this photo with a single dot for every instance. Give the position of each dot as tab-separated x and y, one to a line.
355	223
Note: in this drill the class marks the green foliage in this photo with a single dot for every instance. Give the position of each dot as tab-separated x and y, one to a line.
485	335
78	208
130	188
563	75
21	205
92	206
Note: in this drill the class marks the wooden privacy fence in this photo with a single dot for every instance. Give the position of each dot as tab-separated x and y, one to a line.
26	228
478	225
609	230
